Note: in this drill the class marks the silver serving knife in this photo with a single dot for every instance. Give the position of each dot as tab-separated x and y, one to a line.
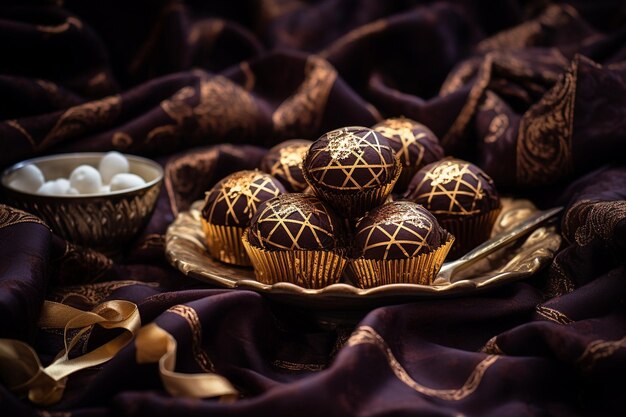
450	269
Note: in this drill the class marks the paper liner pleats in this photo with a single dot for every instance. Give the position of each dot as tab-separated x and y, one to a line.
353	205
309	269
421	269
470	231
224	243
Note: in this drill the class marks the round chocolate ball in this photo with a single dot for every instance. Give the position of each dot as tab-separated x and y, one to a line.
453	188
350	159
284	162
398	230
415	144
295	222
234	200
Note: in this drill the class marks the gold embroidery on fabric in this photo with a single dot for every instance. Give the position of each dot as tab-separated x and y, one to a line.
93	294
482	81
178	186
43	413
459	76
78	119
10	216
500	122
69	22
553	315
98	79
544	138
367	335
294	366
93	261
271	9
599	349
190	315
523	35
48	86
250	78
558	281
121	140
491	347
15	125
301	113
208	31
594	219
353	35
222	107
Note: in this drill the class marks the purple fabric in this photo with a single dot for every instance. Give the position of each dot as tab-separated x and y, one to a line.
533	93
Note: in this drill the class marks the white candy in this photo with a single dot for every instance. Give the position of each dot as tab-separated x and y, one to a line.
124	181
29	178
105	189
112	163
72	191
56	187
86	179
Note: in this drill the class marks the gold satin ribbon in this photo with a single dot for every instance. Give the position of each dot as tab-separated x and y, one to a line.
154	344
21	370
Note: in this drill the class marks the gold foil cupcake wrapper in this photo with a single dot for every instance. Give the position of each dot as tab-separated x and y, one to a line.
309	269
224	243
355	204
470	231
421	269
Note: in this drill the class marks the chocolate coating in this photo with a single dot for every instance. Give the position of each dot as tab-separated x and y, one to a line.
284	162
453	188
398	230
295	222
234	200
415	144
350	159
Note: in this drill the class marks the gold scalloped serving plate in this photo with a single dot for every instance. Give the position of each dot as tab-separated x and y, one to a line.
185	249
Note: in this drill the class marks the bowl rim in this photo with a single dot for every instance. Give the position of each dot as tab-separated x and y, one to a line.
77	155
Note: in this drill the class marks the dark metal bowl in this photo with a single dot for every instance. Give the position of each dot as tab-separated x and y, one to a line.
100	221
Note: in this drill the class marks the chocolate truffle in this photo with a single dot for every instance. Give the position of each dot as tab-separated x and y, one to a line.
453	188
295	222
234	200
350	159
398	230
284	162
415	145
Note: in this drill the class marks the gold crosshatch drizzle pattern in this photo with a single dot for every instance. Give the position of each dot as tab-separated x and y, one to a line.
400	217
352	144
243	185
403	131
466	183
290	161
298	210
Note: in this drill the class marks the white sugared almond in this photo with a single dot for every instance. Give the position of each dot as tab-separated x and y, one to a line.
28	178
86	179
125	181
56	187
111	164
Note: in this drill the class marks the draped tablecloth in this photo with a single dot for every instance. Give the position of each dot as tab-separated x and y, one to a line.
534	92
